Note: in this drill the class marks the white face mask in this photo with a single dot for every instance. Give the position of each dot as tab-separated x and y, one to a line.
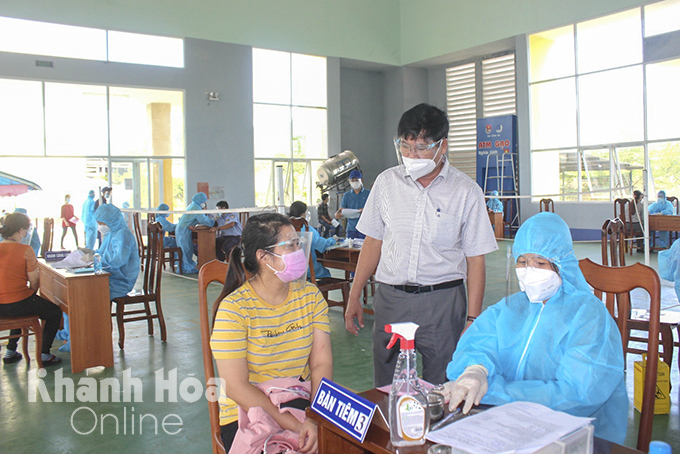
204	205
356	185
418	168
538	284
103	229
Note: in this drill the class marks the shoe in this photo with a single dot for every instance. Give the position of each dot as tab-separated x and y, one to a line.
54	360
12	359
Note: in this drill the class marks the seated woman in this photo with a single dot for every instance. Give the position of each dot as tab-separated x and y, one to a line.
553	343
18	267
168	227
120	256
298	209
493	204
273	325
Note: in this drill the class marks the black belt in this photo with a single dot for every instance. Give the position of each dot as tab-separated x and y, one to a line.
427	288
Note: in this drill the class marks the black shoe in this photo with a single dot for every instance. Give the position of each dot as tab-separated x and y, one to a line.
54	360
12	359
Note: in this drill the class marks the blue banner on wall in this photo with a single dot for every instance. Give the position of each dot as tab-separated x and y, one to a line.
345	409
497	154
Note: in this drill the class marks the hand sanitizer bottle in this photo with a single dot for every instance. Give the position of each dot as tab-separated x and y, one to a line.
97	263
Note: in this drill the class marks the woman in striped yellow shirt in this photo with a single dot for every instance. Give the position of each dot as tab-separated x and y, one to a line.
273	325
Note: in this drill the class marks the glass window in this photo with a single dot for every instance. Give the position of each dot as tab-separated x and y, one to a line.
272	130
75	120
309	80
55	40
595	174
662	17
553	114
310	133
664	168
663	100
551	54
146	122
610	41
631	162
21	118
554	172
610	107
271	76
146	49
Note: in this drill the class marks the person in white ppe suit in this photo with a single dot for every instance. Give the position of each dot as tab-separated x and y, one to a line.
553	343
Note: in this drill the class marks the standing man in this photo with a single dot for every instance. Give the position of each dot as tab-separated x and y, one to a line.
325	220
356	200
427	231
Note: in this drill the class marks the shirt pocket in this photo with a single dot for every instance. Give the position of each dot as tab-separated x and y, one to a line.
443	228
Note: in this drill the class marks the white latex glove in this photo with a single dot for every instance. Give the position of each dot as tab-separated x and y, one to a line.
470	386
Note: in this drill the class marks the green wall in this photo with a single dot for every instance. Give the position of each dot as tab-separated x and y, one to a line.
395	32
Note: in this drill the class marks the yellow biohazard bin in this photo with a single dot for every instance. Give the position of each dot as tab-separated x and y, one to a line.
662	402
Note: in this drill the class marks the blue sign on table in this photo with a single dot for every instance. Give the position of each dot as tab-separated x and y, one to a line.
344	408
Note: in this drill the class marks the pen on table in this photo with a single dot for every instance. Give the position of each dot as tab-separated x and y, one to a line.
447	419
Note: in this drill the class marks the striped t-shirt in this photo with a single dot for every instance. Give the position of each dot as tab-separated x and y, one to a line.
275	340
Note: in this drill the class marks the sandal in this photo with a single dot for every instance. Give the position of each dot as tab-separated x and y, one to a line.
11	359
53	360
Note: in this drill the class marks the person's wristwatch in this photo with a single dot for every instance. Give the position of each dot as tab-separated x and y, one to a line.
471	318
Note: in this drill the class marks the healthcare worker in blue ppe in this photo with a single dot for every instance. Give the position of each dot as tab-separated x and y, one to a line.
89	221
32	238
183	231
669	265
120	256
553	343
298	209
662	206
355	200
168	227
493	204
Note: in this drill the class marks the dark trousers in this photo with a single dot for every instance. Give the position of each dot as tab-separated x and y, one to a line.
63	234
441	317
34	305
326	229
224	245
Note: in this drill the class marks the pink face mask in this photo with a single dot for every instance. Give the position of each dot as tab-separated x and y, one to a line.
295	265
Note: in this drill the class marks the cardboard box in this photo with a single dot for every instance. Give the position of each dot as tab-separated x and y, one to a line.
662	402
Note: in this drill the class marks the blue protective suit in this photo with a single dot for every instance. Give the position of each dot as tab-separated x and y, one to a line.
319	244
494	204
120	256
168	241
356	202
669	265
89	221
183	234
565	354
32	238
662	206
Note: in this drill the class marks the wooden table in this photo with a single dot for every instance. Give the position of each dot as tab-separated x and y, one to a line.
663	223
497	223
333	440
342	258
206	245
85	298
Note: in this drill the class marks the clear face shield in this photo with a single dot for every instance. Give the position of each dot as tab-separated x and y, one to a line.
291	254
417	158
534	275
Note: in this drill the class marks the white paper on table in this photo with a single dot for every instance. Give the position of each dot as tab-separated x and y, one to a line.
335	222
522	427
350	213
76	259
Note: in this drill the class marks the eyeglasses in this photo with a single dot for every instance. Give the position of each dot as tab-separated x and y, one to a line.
290	245
534	261
421	150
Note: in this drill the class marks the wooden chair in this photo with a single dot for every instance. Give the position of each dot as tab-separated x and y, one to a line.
547	205
28	325
622	212
613	232
151	291
48	236
214	271
612	247
615	284
140	238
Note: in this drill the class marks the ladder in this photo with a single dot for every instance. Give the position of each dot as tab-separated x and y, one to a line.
504	161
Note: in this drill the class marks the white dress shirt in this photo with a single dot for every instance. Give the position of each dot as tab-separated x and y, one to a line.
426	233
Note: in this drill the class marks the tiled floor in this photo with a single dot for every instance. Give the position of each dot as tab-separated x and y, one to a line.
58	427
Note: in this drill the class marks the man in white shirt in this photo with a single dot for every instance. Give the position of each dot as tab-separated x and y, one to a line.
427	231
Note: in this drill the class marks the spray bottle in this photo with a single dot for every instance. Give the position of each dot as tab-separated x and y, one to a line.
409	416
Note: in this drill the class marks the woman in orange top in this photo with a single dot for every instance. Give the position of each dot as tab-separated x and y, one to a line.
19	267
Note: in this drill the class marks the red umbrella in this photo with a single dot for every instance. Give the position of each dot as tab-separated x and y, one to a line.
11	185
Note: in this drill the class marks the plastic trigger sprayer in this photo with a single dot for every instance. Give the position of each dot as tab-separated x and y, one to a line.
409	416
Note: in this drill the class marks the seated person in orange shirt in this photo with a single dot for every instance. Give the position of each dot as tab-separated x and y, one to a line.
19	281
